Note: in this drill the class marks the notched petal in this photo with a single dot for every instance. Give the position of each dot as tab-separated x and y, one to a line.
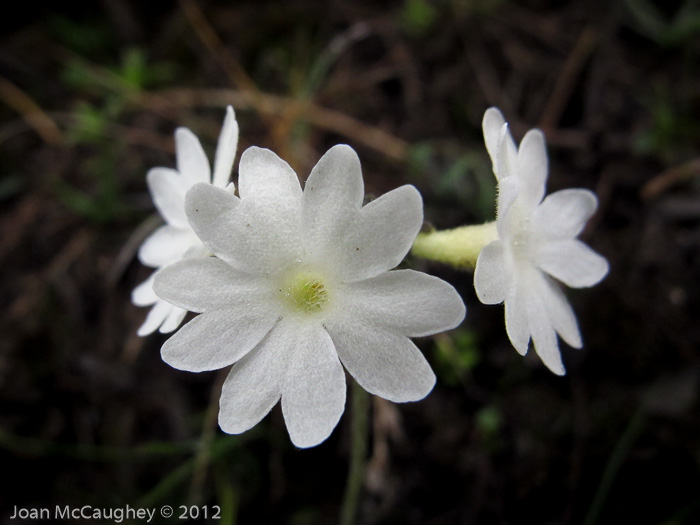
313	396
381	236
265	177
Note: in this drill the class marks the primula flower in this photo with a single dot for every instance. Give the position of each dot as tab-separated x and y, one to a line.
175	240
300	284
536	246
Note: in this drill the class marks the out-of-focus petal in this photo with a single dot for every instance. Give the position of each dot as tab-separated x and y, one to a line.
143	294
192	162
165	245
226	150
168	190
155	317
173	320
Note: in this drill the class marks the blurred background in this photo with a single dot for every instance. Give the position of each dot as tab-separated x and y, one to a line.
90	95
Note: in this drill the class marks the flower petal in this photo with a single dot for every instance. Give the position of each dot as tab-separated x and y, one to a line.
265	177
173	320
406	302
532	169
255	383
332	198
255	237
165	245
516	307
143	294
493	276
208	210
226	150
383	363
216	339
492	124
192	162
572	262
155	317
560	313
168	190
313	395
263	233
544	337
563	214
508	190
380	236
506	156
203	284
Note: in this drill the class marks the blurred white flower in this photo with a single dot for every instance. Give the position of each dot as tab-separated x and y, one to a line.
537	246
300	284
176	240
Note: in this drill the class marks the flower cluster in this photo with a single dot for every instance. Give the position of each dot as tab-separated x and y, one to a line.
300	285
293	285
536	246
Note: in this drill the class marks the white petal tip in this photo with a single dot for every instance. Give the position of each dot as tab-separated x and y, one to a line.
493	119
308	442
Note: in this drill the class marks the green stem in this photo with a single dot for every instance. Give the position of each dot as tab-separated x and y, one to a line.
358	454
617	458
459	247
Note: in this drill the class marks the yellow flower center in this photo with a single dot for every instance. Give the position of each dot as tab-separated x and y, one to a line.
305	291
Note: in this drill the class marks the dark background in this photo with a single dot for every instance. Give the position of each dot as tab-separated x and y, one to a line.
89	98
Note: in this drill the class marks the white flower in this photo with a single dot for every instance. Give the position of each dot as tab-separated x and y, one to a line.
300	284
175	239
537	246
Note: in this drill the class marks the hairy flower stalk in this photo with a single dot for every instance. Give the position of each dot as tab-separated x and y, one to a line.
459	247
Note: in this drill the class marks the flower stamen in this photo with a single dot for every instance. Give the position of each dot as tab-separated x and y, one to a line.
305	292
